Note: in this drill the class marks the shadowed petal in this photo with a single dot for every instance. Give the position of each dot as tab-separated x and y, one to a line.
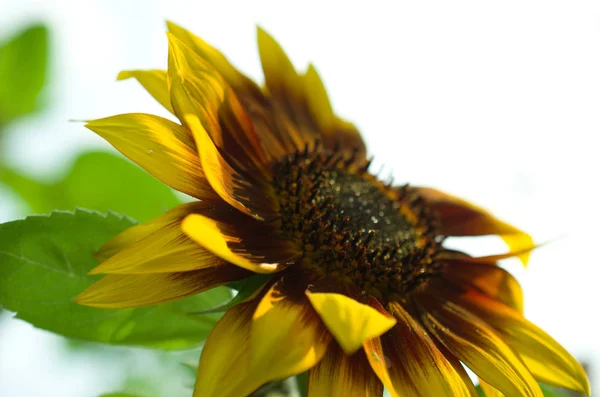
121	291
224	368
340	375
161	147
266	339
488	279
351	323
154	81
460	218
304	101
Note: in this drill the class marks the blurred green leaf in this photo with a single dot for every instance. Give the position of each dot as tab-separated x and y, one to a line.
23	61
98	180
118	395
547	391
302	384
44	261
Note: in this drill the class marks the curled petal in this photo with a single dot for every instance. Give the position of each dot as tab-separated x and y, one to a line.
154	81
352	323
161	147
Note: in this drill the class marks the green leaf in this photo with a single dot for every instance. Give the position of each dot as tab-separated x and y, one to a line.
99	180
44	261
23	60
245	288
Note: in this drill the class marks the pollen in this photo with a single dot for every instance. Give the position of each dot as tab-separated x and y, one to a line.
354	228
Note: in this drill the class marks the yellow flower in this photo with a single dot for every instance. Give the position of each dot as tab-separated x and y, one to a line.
362	292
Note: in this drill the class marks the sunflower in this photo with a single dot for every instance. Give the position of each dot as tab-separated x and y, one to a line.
358	289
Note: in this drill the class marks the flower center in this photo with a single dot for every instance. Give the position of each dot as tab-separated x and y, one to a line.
352	227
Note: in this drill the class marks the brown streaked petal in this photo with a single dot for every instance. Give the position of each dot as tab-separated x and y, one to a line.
547	360
304	102
241	240
198	92
124	290
416	366
161	147
233	187
138	232
339	375
458	367
285	85
477	345
154	81
488	279
460	218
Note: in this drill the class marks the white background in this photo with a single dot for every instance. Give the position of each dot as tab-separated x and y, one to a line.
497	102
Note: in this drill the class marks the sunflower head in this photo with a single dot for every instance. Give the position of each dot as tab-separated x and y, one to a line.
361	291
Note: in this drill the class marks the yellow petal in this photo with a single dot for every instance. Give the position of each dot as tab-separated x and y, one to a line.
461	218
417	368
351	323
339	375
166	249
380	364
488	390
287	337
547	360
138	232
154	81
121	291
161	147
477	345
219	237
